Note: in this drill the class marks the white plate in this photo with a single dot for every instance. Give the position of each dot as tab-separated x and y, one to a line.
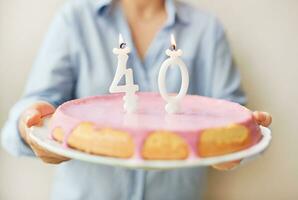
41	136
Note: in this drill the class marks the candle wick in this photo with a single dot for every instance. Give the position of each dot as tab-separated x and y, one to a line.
173	47
122	45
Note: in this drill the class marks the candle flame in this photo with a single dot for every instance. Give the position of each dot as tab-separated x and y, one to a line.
173	41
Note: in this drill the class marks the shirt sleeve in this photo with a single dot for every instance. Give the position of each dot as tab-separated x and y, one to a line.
225	77
52	79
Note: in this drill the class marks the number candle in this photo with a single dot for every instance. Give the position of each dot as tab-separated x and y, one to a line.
130	98
173	102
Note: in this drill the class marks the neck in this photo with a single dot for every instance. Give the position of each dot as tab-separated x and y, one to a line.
143	8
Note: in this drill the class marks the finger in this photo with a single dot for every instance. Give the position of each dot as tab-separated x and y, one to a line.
227	166
52	158
45	155
267	121
44	108
262	118
258	116
32	117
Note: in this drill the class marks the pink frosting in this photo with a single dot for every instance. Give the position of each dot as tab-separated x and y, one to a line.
197	114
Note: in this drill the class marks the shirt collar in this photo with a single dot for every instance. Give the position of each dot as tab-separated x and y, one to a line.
175	13
101	6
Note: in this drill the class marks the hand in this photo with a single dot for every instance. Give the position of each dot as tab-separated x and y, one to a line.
33	116
263	119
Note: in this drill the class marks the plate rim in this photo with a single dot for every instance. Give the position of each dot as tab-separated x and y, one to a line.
39	135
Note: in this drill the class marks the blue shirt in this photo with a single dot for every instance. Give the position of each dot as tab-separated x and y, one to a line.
76	60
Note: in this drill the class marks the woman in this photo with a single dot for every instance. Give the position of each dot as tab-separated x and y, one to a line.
76	61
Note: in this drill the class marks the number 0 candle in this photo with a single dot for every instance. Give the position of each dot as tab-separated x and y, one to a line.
173	102
130	98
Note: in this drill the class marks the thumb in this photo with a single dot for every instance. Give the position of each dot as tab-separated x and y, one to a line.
44	108
34	115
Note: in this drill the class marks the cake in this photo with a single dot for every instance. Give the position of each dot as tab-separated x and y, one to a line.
204	127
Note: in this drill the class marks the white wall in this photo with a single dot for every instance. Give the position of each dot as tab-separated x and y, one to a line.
264	39
22	26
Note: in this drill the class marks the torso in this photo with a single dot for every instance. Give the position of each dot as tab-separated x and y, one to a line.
92	40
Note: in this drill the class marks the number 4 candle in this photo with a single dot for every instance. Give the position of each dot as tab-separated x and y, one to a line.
130	98
173	102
